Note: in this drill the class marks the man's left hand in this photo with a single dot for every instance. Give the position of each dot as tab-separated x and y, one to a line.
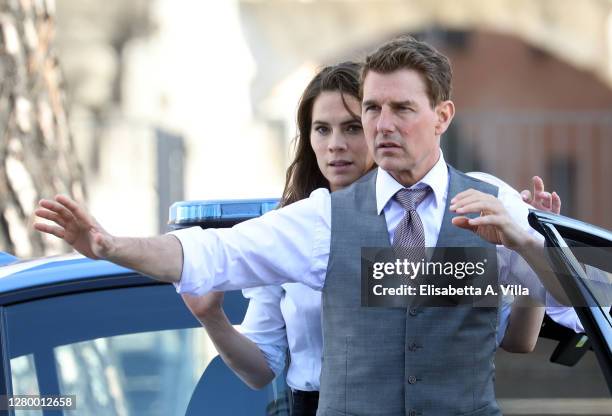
494	223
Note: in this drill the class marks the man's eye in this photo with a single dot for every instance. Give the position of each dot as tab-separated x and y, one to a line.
371	108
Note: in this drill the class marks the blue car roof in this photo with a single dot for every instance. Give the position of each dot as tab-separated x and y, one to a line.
55	269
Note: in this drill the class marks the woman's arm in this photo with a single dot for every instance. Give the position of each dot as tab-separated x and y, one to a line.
241	354
526	316
524	325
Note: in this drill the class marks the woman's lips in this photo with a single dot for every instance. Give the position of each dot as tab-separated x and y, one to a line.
340	165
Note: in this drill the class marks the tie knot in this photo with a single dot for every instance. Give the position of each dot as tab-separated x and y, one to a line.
409	199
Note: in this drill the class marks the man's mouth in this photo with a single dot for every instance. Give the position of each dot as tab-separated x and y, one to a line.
387	145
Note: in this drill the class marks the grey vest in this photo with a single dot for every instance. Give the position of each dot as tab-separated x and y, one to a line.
391	361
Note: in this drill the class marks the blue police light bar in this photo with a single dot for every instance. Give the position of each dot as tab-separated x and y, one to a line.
217	213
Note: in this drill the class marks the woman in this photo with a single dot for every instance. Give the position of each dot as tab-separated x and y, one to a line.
331	153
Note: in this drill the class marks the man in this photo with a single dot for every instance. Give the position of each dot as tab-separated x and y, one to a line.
377	361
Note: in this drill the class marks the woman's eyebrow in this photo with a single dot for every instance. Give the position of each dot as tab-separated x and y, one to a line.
350	120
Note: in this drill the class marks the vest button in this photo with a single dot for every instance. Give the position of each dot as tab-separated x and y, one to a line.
413	311
413	346
412	412
412	379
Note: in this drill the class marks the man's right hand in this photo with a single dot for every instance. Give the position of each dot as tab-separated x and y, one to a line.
75	226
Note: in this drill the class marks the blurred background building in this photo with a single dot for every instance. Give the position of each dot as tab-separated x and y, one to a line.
193	100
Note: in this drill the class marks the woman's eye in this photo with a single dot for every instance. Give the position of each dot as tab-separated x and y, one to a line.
322	130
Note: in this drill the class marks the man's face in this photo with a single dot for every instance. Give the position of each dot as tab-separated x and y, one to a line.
401	128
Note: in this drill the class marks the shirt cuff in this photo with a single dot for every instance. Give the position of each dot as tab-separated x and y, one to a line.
563	315
192	240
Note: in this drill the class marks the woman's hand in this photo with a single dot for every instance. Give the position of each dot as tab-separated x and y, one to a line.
540	199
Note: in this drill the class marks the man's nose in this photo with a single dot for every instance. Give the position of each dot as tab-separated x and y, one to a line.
337	142
384	124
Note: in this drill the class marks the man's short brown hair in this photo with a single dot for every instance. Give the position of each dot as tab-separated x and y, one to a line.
405	52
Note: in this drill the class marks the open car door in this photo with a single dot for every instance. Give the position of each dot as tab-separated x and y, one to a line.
580	254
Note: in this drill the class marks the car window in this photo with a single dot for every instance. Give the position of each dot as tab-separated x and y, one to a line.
23	374
128	351
596	271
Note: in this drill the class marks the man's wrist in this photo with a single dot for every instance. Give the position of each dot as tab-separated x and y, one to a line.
530	246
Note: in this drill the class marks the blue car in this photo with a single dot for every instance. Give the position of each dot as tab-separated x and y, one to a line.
119	343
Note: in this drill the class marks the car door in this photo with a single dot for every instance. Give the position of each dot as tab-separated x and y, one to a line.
132	350
580	255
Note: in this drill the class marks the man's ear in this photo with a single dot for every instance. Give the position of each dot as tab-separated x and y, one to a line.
445	111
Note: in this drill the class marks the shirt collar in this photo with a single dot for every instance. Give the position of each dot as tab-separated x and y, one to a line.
436	179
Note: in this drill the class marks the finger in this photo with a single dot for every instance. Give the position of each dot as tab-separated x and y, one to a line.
526	195
74	208
480	206
556	203
463	222
497	220
544	199
50	229
538	185
470	199
464	194
49	215
57	208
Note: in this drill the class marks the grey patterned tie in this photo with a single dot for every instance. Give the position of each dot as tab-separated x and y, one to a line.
410	232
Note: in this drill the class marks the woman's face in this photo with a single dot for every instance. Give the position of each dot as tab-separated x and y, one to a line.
337	139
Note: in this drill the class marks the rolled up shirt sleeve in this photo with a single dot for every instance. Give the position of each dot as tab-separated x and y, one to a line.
264	324
563	315
290	244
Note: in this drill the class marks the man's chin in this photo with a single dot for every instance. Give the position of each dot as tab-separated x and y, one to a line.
389	164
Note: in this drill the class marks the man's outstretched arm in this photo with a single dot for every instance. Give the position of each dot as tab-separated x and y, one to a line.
160	257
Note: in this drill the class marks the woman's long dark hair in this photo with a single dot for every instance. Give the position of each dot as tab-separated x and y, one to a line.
303	175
